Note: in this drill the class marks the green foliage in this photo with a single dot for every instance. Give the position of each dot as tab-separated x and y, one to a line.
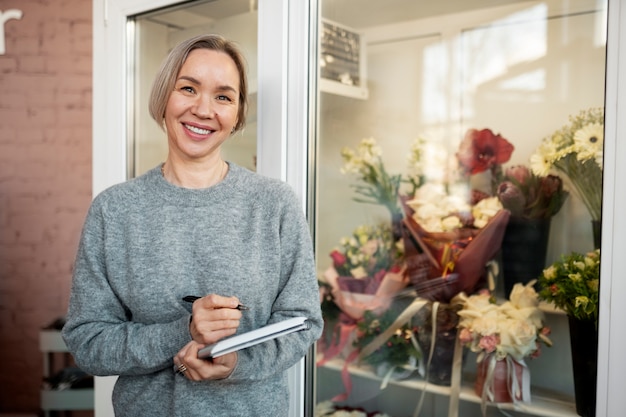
572	284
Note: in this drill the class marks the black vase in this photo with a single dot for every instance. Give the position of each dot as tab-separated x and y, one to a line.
584	345
596	226
524	248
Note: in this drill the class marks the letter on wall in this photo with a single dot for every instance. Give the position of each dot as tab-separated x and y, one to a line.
4	16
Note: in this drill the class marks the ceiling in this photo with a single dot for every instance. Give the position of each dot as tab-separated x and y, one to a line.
354	13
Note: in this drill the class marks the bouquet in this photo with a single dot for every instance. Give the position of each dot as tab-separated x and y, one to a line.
572	284
380	187
514	328
366	271
448	242
575	151
503	335
366	274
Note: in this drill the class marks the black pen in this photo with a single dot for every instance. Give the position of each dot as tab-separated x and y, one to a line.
192	298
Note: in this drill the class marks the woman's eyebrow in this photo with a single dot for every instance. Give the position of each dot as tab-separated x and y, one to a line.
197	82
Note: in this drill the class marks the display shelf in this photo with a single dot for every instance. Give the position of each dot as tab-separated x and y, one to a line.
544	402
51	341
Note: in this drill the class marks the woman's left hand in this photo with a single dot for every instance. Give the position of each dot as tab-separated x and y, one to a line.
203	369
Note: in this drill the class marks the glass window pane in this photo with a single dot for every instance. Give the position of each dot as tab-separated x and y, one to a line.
398	78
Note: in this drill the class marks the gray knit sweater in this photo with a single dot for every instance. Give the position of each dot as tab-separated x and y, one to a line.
147	243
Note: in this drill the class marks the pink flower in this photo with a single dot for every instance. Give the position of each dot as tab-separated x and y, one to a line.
512	198
489	343
519	173
465	336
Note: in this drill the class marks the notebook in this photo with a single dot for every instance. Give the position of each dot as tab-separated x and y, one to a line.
254	337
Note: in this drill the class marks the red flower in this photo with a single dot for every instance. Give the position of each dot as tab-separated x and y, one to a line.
554	289
338	258
480	150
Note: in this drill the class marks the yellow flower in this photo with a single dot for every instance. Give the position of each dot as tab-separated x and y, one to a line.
575	277
550	273
581	301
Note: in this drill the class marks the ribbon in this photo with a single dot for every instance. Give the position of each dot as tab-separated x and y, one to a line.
400	321
516	393
345	330
455	384
433	338
335	348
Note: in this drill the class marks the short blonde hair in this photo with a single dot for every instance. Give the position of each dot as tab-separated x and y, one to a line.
163	84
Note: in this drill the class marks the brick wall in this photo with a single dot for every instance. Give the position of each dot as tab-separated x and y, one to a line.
45	179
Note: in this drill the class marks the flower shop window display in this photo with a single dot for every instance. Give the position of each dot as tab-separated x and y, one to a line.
572	285
503	335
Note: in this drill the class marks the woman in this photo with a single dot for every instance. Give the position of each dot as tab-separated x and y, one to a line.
196	225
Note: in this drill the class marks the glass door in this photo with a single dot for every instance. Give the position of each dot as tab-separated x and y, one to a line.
440	131
131	37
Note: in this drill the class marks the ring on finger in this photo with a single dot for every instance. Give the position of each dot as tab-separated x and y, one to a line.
181	368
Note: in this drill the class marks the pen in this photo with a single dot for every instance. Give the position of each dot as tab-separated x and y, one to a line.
192	298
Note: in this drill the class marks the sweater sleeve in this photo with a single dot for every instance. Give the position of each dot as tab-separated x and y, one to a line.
298	296
99	330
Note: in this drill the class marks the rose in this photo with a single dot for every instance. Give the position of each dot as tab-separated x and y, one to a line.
338	258
517	338
524	296
489	343
484	210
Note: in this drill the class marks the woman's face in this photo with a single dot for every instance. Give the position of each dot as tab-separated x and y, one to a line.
202	109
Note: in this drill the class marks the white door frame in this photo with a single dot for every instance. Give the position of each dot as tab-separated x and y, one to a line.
283	115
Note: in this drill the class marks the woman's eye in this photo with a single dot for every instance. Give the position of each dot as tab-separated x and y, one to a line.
188	89
224	98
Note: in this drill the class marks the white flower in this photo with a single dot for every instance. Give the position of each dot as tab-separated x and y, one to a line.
484	210
450	223
517	338
524	296
589	141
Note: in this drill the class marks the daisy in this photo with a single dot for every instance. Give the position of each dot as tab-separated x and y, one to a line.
589	141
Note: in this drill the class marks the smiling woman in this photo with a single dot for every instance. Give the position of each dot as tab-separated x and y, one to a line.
202	111
178	229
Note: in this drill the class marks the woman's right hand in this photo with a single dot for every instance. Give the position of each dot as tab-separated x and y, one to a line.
213	318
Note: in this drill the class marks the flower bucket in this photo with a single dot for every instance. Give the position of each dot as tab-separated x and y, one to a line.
502	381
524	249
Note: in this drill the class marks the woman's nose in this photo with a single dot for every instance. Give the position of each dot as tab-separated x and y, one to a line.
203	107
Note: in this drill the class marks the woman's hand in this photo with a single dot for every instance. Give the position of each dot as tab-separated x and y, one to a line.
197	369
213	318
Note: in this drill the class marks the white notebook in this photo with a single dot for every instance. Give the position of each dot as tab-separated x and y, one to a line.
254	337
